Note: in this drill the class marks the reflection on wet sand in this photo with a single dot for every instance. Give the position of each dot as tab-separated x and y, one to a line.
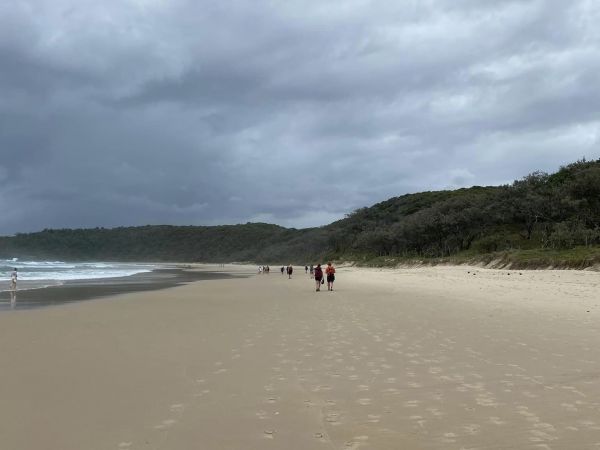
13	299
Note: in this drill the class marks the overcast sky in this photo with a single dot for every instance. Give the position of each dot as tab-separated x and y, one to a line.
133	112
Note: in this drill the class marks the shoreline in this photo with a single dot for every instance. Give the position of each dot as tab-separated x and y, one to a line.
70	291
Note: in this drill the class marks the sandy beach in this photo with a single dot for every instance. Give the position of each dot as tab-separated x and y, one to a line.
419	358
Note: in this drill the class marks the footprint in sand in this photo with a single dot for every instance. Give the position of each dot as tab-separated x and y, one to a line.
496	421
321	388
472	429
269	434
569	407
486	400
449	438
332	417
202	394
356	442
419	420
165	424
177	407
435	412
364	401
391	391
125	445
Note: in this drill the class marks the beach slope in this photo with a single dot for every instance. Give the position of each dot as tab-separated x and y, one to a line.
432	358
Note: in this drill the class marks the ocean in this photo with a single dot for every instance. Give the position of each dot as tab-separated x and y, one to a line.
36	274
47	283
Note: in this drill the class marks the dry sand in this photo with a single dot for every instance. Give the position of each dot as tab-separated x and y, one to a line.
432	358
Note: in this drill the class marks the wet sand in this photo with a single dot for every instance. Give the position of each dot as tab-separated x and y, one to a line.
80	290
432	358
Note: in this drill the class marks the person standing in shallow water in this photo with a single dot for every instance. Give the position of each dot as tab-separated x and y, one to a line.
318	277
13	280
330	271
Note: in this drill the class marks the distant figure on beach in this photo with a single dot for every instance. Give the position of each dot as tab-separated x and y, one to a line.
305	269
312	271
318	276
268	269
260	270
13	280
290	269
282	270
330	271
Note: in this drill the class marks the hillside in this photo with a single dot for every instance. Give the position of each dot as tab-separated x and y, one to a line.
550	216
542	219
249	242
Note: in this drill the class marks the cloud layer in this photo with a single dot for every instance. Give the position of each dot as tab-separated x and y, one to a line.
194	112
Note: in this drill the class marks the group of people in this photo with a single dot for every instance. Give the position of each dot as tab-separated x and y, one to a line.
264	269
289	270
316	273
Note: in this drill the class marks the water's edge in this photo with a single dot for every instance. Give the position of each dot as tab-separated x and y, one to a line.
79	290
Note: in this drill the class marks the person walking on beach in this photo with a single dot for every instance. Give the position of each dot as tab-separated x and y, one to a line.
305	269
290	269
312	271
282	270
318	277
13	279
330	271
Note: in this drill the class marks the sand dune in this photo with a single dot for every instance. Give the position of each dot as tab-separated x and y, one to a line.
432	358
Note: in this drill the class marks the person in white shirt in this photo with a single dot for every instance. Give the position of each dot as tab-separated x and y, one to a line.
13	279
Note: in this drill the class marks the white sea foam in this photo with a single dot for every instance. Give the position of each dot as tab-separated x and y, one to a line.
61	271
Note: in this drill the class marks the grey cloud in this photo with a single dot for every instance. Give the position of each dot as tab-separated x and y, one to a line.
127	113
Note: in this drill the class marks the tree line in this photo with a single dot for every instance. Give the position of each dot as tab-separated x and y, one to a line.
540	211
558	211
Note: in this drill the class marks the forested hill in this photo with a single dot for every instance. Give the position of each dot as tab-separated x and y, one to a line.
541	219
226	243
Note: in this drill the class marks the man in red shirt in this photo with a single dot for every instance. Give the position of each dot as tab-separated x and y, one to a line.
330	271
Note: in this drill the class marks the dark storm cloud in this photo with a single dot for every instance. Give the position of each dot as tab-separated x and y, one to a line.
147	111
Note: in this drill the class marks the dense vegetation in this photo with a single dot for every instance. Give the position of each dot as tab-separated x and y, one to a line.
542	219
249	242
